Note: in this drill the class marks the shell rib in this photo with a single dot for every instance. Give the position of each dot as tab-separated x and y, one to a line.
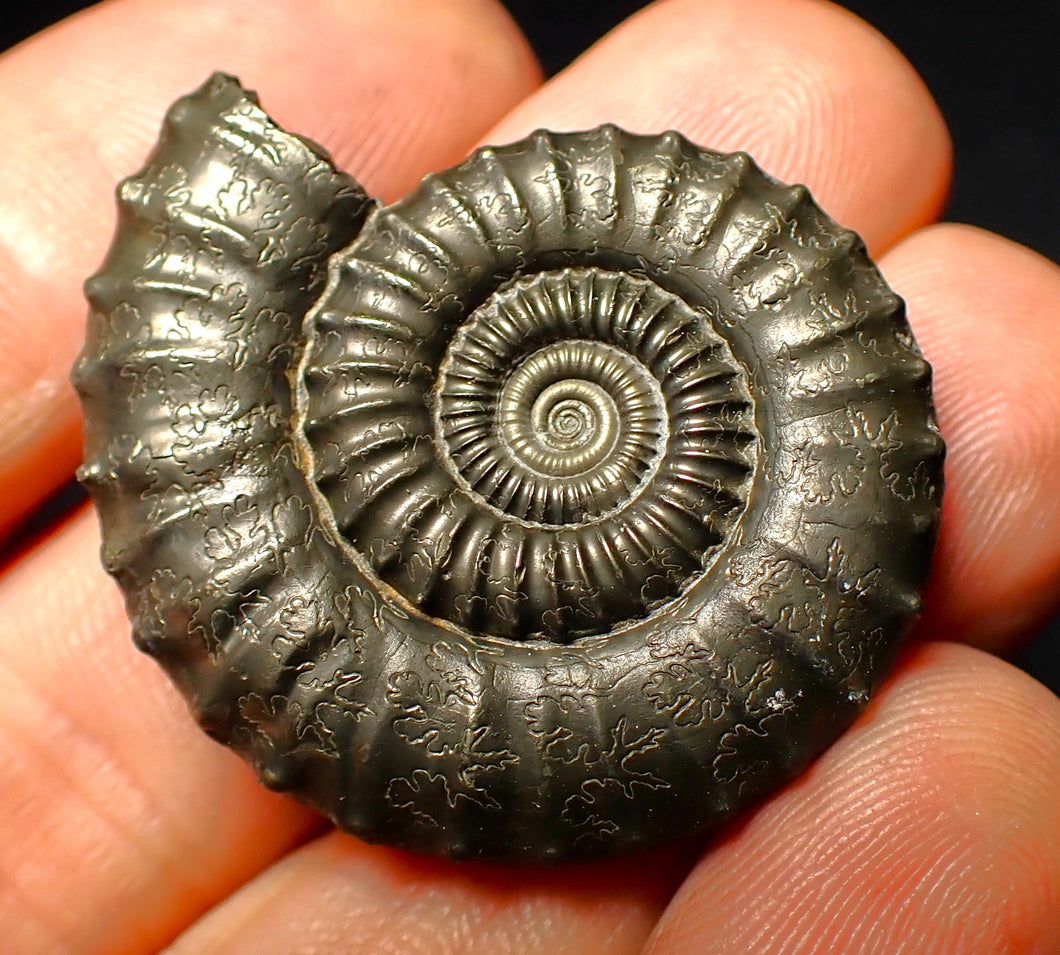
581	500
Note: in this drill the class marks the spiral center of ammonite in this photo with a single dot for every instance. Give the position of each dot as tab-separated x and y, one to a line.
576	450
577	410
570	414
565	432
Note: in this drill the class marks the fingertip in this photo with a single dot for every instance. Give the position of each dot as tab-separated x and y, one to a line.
120	822
985	310
929	828
340	895
813	92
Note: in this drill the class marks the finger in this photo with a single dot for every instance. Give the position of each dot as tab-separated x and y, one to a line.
340	896
119	820
394	87
812	92
987	314
932	827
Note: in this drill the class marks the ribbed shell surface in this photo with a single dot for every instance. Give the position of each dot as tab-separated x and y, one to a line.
586	503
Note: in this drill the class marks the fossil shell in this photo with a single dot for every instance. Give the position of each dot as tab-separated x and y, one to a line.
581	500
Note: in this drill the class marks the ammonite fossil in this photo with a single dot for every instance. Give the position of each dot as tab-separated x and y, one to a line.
567	505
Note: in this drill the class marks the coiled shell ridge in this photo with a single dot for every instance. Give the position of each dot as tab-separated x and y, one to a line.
565	506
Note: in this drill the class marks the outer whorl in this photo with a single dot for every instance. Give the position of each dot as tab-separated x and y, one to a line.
581	499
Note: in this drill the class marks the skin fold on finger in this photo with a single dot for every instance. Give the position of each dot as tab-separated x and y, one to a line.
120	822
338	895
394	88
986	313
813	93
931	828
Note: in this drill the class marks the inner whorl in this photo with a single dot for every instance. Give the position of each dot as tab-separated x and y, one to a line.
572	456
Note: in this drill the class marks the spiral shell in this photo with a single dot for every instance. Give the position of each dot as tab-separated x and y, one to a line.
579	501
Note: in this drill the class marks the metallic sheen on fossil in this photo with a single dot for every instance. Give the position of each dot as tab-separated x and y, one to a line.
568	505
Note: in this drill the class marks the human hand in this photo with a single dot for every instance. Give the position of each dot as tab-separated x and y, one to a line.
932	826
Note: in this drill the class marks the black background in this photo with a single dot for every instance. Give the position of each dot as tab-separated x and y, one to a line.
993	67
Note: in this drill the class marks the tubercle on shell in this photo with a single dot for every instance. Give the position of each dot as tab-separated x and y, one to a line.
581	500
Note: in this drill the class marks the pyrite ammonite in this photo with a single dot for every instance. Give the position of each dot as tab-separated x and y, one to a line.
567	505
